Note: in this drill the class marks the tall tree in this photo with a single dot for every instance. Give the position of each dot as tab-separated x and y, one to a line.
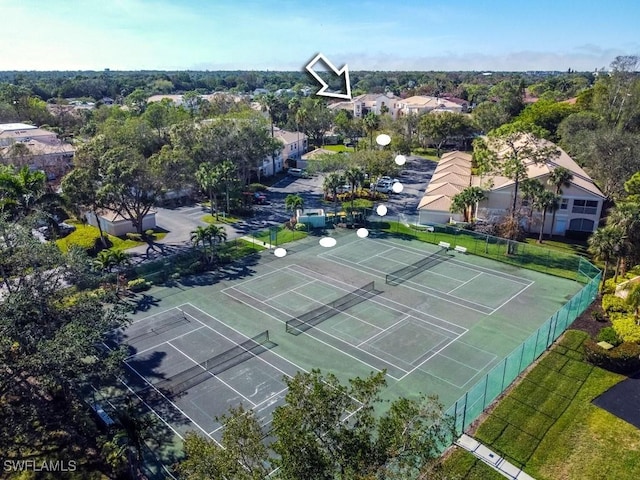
371	122
331	183
355	177
545	201
208	178
466	201
603	245
293	202
560	177
440	128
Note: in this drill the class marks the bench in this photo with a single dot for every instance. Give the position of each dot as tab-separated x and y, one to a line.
460	249
446	245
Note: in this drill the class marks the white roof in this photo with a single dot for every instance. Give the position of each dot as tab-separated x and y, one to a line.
9	127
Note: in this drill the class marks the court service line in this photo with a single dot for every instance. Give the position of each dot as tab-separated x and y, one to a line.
243	335
383	331
430	357
209	372
165	397
374	300
437	295
339	311
323	342
477	372
470	266
151	409
306	284
472	278
166	341
511	298
253	279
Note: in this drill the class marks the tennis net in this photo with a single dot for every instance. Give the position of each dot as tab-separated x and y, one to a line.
304	322
215	365
410	271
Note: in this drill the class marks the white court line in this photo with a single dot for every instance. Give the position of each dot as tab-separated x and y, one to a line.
165	397
469	266
373	299
257	405
430	357
290	291
317	339
240	333
511	298
437	295
346	313
166	341
253	279
382	332
210	373
477	372
151	409
472	278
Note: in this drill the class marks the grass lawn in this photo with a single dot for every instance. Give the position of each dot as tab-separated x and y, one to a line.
221	219
428	153
575	247
548	424
284	235
339	148
85	236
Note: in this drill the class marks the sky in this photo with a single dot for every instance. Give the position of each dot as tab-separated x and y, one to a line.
478	35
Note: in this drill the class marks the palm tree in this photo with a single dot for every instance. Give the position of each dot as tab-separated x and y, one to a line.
355	177
201	236
626	217
103	260
208	177
227	173
215	235
544	202
119	258
371	124
559	177
602	245
465	202
530	189
330	185
293	202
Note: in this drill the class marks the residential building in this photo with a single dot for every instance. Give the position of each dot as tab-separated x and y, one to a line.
420	104
578	213
377	103
294	145
40	149
309	157
117	225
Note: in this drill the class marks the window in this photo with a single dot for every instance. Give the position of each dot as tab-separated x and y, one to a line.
564	204
581	225
588	207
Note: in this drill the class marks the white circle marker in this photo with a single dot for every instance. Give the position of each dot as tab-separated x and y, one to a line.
280	252
383	139
381	210
400	159
327	242
362	232
397	187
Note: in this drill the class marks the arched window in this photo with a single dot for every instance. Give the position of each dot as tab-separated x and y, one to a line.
581	225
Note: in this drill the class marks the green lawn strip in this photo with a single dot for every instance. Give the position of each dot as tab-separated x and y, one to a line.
284	235
548	423
462	464
339	148
208	218
575	247
536	258
85	236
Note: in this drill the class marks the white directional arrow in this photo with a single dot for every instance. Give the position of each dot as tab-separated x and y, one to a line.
343	71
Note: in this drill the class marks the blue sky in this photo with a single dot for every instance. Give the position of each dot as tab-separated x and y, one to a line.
286	34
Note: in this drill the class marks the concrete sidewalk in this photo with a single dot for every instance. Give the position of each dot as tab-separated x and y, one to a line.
492	459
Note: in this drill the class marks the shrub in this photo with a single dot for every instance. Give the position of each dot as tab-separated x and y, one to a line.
627	329
258	187
611	304
301	226
625	358
138	285
609	335
598	316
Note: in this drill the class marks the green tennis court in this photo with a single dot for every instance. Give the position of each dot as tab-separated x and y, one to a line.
436	321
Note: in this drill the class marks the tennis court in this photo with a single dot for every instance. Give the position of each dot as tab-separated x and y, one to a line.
436	321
